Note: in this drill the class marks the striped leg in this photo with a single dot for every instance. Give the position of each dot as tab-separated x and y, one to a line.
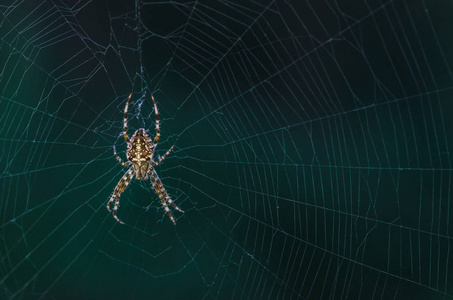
126	137
163	156
173	204
119	189
156	138
163	195
125	164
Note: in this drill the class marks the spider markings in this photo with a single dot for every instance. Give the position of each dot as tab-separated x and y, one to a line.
139	153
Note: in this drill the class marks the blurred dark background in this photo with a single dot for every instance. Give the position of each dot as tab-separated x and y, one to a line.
311	149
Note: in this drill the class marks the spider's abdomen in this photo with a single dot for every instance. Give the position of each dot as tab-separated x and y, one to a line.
140	153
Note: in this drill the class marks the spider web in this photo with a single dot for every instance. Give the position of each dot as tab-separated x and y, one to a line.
311	149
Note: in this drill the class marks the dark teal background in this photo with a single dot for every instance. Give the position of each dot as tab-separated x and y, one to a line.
312	149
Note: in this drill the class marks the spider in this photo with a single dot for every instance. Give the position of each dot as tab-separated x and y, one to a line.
139	153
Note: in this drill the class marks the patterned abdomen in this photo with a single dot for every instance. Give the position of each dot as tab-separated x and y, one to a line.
140	153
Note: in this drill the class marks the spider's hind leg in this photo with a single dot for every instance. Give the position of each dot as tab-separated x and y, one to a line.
156	138
126	137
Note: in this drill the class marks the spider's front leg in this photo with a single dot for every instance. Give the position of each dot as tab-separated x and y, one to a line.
119	189
165	199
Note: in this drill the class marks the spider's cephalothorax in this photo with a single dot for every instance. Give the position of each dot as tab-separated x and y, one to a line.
139	153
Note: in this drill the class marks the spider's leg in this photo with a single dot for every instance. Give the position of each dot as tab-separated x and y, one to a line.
156	138
125	164
126	137
120	187
163	156
173	204
163	195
